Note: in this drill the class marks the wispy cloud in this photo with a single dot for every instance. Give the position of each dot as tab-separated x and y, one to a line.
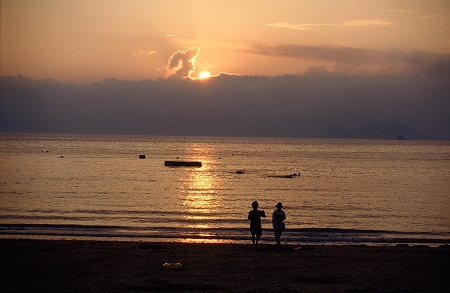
398	10
290	25
327	53
428	16
307	26
374	22
142	52
412	11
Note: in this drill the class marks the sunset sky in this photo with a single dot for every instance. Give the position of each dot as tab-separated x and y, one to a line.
87	41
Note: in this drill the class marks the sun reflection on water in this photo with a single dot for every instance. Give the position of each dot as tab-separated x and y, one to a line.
199	198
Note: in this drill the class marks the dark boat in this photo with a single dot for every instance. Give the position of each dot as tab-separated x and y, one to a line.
182	163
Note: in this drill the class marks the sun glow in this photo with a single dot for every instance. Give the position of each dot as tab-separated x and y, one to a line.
204	74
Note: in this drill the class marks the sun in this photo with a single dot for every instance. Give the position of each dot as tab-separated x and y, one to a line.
204	74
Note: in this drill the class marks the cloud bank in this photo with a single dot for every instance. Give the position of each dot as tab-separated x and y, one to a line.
227	105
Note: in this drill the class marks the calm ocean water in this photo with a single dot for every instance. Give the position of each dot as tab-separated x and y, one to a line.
348	191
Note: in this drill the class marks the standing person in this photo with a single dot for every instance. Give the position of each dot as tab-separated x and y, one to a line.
255	223
278	218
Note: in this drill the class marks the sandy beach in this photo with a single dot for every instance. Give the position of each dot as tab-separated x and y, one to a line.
108	266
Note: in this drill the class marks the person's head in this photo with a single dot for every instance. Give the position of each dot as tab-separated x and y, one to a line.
255	205
279	205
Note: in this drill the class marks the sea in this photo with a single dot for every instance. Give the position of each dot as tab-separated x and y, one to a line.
117	187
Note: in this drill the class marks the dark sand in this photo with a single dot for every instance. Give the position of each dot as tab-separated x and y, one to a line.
101	266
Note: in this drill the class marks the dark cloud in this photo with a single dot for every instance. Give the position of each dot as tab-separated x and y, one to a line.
389	60
182	63
317	71
227	105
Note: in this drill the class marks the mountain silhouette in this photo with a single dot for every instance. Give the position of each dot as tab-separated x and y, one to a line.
378	130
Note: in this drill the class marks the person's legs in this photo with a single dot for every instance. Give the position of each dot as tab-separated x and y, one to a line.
257	240
277	235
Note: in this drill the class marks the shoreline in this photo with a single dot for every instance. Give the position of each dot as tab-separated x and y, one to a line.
123	266
239	240
310	236
432	243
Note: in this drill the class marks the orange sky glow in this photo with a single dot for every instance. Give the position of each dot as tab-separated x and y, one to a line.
86	41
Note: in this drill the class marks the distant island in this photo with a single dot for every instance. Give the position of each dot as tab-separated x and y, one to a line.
378	130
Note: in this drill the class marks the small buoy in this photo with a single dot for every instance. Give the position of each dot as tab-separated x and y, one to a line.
141	156
172	265
62	157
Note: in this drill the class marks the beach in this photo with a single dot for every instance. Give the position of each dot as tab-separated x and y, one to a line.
29	265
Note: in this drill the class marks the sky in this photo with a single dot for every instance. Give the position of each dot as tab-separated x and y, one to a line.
267	68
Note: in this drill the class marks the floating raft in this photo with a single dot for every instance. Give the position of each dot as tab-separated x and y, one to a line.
182	163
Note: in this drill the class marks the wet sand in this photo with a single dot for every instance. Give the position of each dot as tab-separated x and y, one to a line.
107	266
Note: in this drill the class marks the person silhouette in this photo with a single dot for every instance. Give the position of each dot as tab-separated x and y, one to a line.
254	216
278	218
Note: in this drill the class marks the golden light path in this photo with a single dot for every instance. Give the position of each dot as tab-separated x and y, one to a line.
199	198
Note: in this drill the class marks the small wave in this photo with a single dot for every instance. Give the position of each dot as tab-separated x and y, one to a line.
327	236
